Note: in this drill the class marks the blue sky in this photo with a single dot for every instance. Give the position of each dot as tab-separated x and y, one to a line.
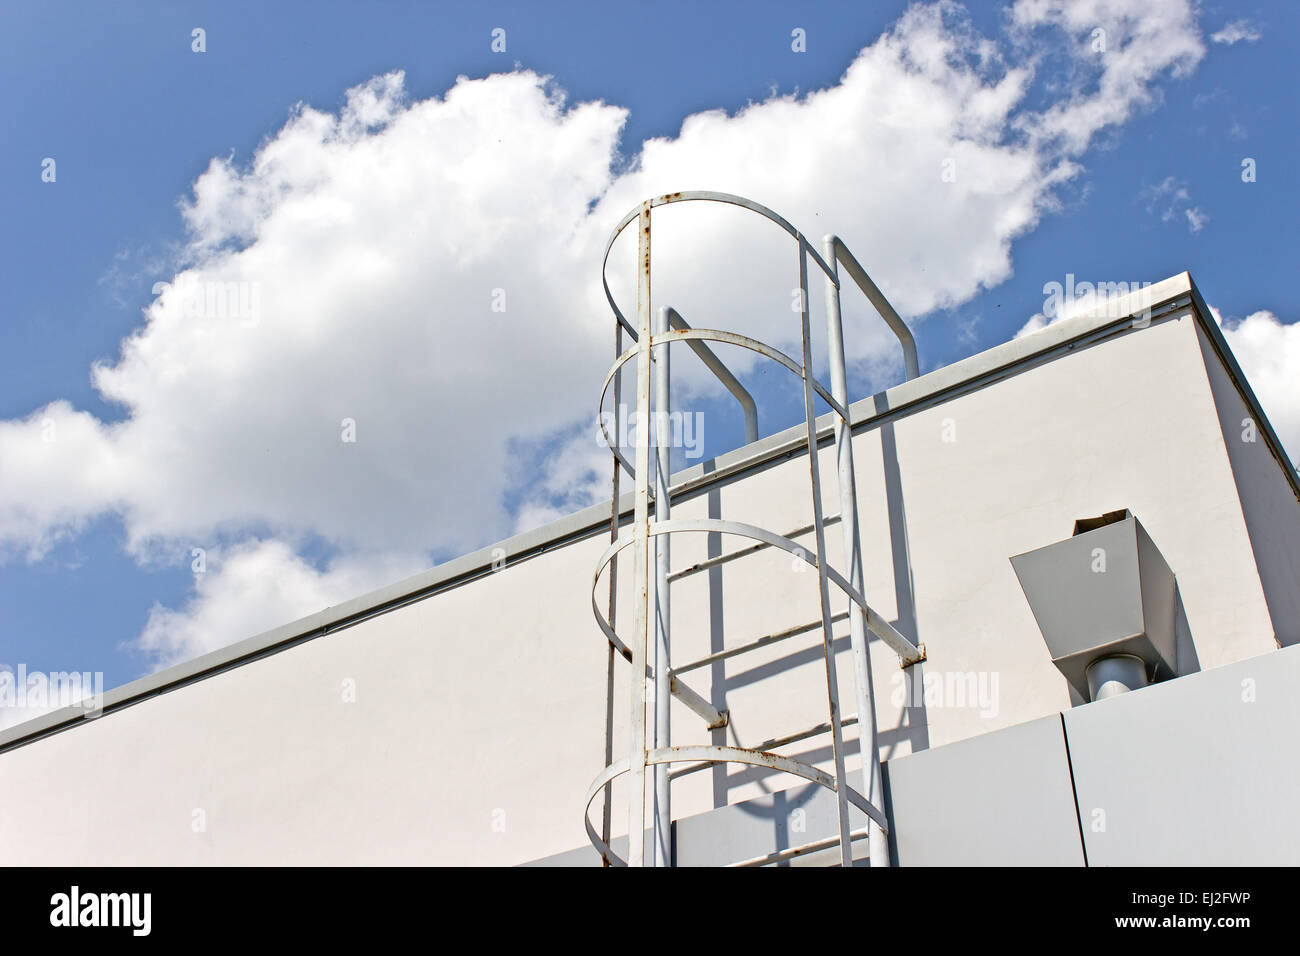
133	117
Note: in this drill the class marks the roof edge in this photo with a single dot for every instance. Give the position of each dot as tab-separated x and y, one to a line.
934	387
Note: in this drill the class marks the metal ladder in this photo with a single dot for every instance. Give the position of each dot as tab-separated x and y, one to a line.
648	644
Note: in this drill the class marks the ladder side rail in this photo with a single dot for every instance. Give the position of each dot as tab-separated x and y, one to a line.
868	733
641	557
823	588
838	252
662	828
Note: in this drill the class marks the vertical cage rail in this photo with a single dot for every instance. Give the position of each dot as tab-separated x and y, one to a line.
654	679
662	831
819	530
878	843
641	552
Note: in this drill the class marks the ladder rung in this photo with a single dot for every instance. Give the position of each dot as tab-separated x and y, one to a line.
715	719
744	552
790	854
822	728
761	642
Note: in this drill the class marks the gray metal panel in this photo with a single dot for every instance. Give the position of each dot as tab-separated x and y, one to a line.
1191	771
1000	799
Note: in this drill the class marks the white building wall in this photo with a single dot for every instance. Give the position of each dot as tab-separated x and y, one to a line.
479	712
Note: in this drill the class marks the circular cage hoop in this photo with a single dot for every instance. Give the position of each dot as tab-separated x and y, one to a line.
710	754
716	526
707	335
703	195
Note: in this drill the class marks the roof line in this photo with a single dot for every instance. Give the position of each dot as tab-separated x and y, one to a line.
935	387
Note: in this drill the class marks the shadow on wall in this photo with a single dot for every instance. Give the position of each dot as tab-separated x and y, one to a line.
914	726
1189	662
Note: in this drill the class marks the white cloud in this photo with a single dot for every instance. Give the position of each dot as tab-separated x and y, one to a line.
1036	323
350	269
1172	201
1236	31
1129	45
59	467
1268	351
372	251
259	585
574	475
1080	295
